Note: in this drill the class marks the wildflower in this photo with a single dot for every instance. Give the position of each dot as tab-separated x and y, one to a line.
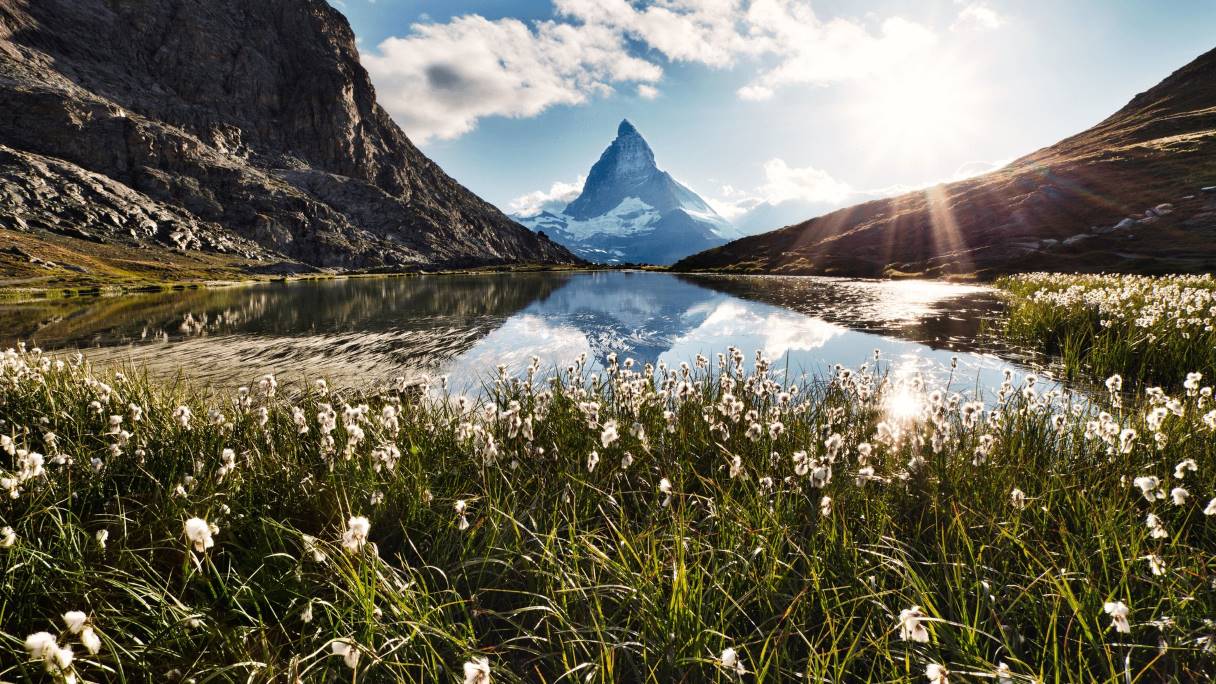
821	473
306	614
227	464
1156	528
1155	564
593	459
1150	487
1183	466
1127	440
102	537
8	537
43	646
1114	383
730	661
1017	498
346	649
1209	510
937	674
477	671
665	488
268	385
1179	495
461	506
609	434
825	506
754	431
736	467
311	546
1118	612
626	461
90	640
910	627
802	464
198	534
1004	675
182	415
75	621
355	535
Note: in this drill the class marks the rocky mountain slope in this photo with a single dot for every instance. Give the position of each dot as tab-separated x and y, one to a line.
247	129
631	211
1137	193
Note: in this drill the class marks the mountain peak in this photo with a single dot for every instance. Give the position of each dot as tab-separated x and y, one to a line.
632	211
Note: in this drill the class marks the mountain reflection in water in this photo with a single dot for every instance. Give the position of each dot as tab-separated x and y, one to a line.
360	331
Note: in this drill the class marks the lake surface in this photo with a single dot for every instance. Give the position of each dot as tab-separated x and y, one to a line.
364	331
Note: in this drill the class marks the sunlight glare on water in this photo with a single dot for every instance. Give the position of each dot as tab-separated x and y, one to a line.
363	331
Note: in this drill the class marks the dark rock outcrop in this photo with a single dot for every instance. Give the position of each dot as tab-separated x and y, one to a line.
1086	203
233	125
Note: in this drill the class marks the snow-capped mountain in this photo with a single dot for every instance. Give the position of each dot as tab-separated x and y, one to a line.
631	211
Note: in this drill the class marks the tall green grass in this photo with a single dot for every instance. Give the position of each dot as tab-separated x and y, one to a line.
572	574
1150	329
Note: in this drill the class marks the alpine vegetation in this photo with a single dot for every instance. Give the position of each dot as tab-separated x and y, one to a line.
705	522
1155	329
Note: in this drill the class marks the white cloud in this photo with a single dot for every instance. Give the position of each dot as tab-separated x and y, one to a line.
441	78
783	182
977	16
554	199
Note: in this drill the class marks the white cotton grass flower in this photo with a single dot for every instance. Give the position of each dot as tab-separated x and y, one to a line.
609	435
593	460
1210	509
75	620
665	489
347	649
90	640
731	662
355	536
462	508
1150	487
1118	612
736	467
198	534
1004	675
825	506
1179	495
937	674
911	627
42	646
1181	469
1156	528
8	538
102	537
477	671
1156	564
1017	498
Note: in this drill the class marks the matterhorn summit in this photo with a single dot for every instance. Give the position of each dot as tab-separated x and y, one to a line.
631	211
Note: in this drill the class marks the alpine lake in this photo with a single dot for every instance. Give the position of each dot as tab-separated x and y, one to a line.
458	330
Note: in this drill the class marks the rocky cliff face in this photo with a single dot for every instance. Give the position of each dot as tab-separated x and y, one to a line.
227	125
1135	193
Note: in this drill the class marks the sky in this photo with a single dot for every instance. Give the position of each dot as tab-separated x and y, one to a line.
772	110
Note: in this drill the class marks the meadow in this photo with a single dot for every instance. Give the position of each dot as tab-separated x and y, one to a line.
697	523
1150	329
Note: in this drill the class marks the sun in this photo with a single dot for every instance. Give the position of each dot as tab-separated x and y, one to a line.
919	111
